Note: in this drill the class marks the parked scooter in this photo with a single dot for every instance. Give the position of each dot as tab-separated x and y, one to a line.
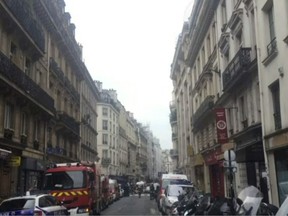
248	202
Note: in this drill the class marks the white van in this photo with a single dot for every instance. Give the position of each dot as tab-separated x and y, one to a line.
168	179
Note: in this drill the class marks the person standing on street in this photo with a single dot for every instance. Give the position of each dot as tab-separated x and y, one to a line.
152	191
140	190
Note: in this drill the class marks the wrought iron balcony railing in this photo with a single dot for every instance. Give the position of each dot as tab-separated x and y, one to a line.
272	47
106	161
69	122
173	153
277	121
15	75
173	116
174	136
60	75
237	66
205	106
21	11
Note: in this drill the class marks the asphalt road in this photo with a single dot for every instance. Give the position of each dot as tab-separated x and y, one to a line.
133	205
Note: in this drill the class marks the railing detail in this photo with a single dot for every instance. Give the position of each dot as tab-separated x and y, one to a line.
205	106
237	66
60	75
14	74
69	122
21	11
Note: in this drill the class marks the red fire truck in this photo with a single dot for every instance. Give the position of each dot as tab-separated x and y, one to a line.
76	185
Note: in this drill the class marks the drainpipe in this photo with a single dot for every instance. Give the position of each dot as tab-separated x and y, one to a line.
261	103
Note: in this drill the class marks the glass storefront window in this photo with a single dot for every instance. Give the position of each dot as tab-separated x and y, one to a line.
281	164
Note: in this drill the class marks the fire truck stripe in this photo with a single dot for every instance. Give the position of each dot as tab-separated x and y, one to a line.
60	194
54	194
73	193
79	192
67	193
85	192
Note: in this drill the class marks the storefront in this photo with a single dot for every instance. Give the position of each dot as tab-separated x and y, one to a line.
216	172
198	164
31	174
250	159
281	164
5	175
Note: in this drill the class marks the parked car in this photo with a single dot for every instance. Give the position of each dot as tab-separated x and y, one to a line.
43	204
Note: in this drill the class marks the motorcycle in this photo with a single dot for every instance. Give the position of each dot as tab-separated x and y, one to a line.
248	202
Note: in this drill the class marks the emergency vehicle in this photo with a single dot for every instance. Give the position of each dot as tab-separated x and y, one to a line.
76	185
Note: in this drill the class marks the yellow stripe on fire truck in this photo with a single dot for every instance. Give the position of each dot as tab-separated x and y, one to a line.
70	193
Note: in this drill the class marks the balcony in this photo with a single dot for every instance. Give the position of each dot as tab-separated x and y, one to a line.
69	122
174	136
205	107
174	153
271	52
237	68
173	116
89	149
21	11
64	80
105	162
53	19
15	75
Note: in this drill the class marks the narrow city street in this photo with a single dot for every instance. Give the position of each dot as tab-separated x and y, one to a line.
133	205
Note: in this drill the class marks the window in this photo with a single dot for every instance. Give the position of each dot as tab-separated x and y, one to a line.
105	138
105	125
104	111
13	50
23	124
208	46
104	153
9	112
28	66
271	23
275	91
224	13
243	112
231	122
36	132
203	57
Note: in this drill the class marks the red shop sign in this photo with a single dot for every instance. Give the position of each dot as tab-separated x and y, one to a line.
221	125
212	157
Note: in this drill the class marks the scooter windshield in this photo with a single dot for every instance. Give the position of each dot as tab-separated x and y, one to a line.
283	210
251	197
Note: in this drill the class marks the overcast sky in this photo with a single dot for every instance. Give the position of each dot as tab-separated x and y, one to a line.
129	46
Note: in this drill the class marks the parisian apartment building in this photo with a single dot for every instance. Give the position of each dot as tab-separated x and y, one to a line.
126	147
51	110
229	78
